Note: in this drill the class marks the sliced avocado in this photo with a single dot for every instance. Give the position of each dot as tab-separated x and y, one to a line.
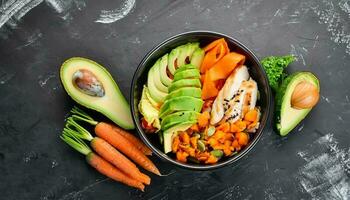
148	111
180	104
154	73
172	60
197	57
177	118
153	102
184	83
186	53
185	91
157	95
169	134
108	99
163	71
185	67
187	74
287	116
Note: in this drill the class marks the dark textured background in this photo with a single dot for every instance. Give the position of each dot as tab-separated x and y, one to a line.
36	164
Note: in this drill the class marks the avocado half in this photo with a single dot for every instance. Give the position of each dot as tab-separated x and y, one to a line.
288	117
112	104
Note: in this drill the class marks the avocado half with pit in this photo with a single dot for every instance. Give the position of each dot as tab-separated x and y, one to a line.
288	117
92	86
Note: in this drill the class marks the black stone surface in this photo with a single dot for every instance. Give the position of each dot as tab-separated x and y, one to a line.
36	164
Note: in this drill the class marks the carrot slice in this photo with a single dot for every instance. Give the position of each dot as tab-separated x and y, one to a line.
221	70
212	57
215	43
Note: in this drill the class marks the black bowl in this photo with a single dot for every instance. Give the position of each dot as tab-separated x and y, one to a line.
204	37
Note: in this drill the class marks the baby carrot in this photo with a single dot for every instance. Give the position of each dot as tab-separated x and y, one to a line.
107	132
99	163
79	114
106	151
112	135
134	140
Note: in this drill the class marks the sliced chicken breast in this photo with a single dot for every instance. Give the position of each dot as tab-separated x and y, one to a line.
228	93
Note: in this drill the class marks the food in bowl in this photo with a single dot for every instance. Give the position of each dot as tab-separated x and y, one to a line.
202	102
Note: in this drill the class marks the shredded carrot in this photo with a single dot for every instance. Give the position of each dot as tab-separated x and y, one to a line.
243	138
203	119
251	115
225	127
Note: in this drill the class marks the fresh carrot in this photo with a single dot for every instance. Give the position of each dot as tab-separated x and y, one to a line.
99	163
110	171
113	137
106	151
81	115
134	140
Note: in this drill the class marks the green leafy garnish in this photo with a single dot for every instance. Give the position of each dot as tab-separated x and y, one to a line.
274	67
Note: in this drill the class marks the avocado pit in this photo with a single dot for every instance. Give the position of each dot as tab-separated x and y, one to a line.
305	95
88	83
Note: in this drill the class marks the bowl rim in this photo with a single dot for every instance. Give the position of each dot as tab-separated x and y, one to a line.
161	154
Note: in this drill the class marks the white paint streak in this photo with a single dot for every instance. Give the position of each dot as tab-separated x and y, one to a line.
110	16
326	99
329	15
301	127
345	6
43	81
15	9
5	77
64	7
32	39
325	174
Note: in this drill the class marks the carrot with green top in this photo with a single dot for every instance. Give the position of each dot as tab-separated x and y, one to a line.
100	164
106	151
81	115
112	135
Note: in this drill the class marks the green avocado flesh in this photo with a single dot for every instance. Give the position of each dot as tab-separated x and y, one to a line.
154	73
183	103
172	60
169	134
185	91
187	74
112	104
287	116
148	110
177	118
185	67
184	83
156	94
197	57
163	65
179	98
